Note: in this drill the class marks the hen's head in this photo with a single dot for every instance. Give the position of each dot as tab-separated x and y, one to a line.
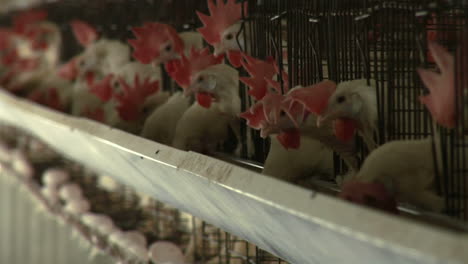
189	73
156	43
215	83
101	58
347	101
222	28
86	65
42	36
345	107
369	194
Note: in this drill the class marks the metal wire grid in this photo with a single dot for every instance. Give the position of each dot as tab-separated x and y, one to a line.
452	181
219	247
264	29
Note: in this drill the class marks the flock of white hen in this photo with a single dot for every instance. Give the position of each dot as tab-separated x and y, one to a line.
119	84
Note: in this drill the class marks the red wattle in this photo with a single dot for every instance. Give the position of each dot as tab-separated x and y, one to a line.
290	139
345	129
204	99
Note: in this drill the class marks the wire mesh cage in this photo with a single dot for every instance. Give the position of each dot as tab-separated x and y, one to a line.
383	43
452	162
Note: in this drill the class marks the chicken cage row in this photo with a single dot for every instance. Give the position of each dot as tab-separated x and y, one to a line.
53	181
383	42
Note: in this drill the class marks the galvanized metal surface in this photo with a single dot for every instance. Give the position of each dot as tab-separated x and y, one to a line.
296	224
30	234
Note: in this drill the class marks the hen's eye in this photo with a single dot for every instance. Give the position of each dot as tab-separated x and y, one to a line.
340	99
282	113
115	84
168	47
229	36
200	79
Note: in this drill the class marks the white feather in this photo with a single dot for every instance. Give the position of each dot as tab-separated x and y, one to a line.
160	126
311	159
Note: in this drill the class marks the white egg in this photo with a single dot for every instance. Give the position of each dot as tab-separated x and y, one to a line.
70	191
90	219
108	183
166	252
50	194
99	222
140	252
55	177
105	225
145	200
77	207
21	165
116	237
136	237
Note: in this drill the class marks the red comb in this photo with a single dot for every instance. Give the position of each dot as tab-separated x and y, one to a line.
24	19
295	111
441	100
255	116
223	15
259	71
182	70
272	106
370	194
133	97
290	139
435	34
315	97
69	71
84	32
149	39
103	88
277	84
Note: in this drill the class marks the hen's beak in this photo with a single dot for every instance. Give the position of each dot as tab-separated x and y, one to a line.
219	49
269	130
328	116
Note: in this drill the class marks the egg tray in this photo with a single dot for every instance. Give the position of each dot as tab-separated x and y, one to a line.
154	219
